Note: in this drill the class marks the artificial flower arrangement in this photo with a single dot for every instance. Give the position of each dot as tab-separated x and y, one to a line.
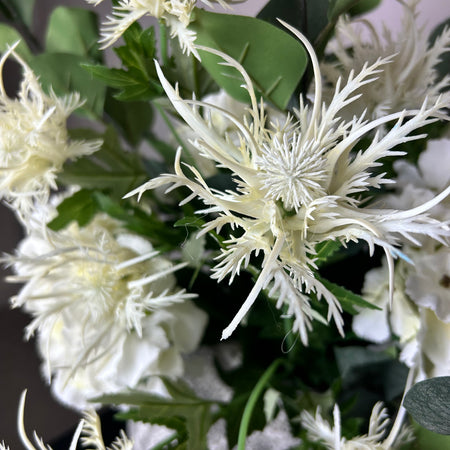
270	272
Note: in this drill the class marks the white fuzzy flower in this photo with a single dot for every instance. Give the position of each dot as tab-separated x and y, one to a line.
34	143
106	308
319	430
175	13
284	206
406	81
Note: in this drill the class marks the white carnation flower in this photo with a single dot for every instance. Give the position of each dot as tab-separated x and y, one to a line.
106	308
175	13
406	81
297	186
34	143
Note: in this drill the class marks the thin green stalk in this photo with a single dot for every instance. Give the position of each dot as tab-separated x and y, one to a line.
257	390
163	43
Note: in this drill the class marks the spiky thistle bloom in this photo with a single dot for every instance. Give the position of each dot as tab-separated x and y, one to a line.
296	187
89	427
175	13
405	82
34	143
319	430
105	306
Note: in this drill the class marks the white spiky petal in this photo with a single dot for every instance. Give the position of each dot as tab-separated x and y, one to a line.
176	14
34	142
406	81
296	186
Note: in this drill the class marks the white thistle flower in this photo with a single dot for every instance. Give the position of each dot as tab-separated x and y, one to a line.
319	430
175	13
406	81
89	426
285	207
106	308
34	142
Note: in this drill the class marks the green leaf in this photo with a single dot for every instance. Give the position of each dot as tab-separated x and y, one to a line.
133	118
443	67
9	36
426	439
308	16
139	81
80	207
63	72
274	60
363	7
326	250
74	31
428	402
338	7
189	221
183	403
18	10
110	168
347	299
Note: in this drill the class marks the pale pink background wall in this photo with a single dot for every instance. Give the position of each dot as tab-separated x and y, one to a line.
18	362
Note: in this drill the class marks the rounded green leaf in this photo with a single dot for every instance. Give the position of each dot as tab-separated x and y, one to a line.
8	37
73	30
428	402
274	60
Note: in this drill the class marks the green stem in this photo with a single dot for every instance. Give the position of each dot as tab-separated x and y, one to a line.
257	390
163	43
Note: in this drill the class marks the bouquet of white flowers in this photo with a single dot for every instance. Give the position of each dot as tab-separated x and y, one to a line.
295	164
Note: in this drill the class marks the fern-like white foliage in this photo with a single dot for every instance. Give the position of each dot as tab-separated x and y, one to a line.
297	186
89	428
408	79
319	430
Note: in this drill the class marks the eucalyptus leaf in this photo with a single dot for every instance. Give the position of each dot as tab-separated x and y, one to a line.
428	402
63	72
73	30
274	60
8	37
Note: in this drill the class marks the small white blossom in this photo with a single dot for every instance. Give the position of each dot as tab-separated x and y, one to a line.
175	13
106	308
406	81
34	143
297	186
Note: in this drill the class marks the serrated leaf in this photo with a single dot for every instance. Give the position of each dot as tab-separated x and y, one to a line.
326	250
8	37
80	207
64	73
428	402
74	31
347	299
443	67
274	60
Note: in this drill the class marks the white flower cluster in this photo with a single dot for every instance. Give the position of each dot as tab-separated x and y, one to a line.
420	313
34	143
297	185
408	79
175	13
105	306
